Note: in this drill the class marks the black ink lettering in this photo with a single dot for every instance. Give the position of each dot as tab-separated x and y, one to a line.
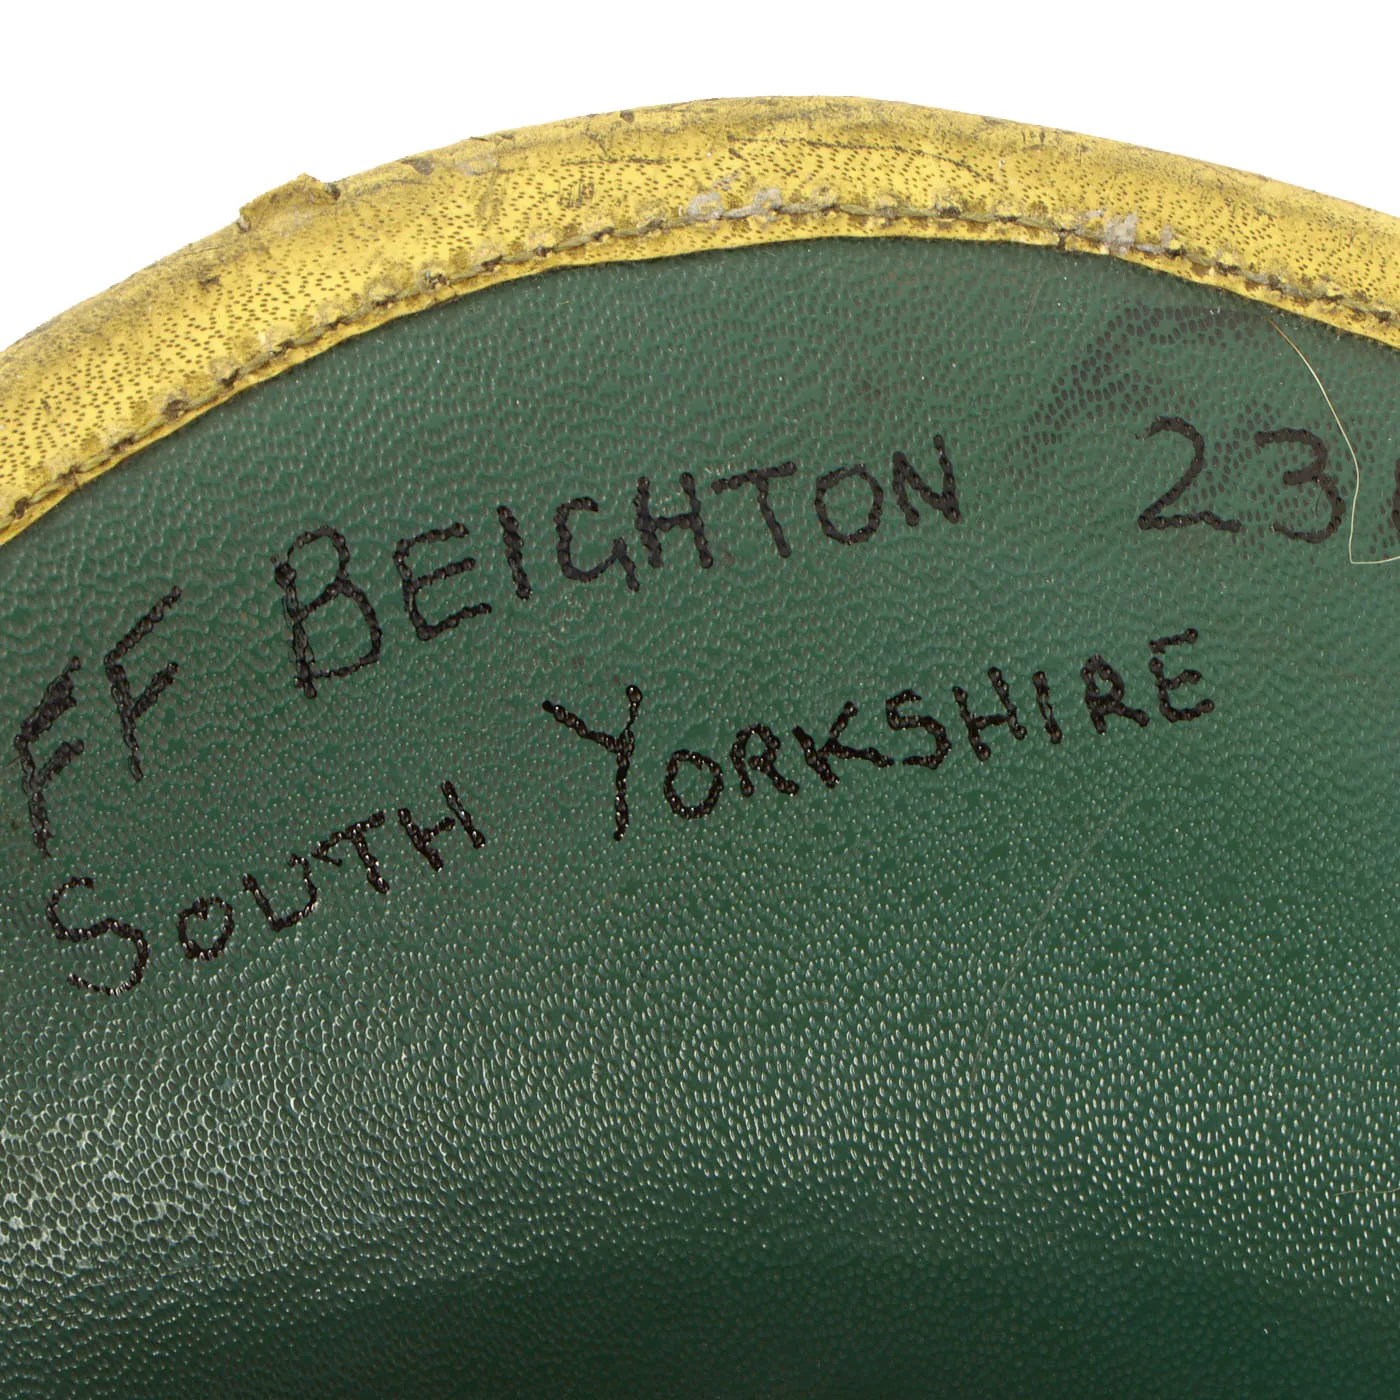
565	547
129	710
1315	473
621	746
977	723
140	948
1395	499
1101	705
827	481
1166	684
942	745
354	834
1047	710
464	817
413	584
944	501
764	763
759	478
422	837
515	551
58	699
280	922
707	804
307	672
651	527
818	759
1152	518
200	910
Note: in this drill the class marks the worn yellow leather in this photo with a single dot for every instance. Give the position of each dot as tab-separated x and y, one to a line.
311	263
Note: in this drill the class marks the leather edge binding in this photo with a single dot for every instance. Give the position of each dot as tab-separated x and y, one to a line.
310	264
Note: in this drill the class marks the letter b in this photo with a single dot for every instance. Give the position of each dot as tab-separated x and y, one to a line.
308	673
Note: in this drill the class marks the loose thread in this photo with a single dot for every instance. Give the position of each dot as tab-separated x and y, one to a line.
1355	461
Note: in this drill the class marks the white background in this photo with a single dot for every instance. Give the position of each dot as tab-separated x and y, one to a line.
133	128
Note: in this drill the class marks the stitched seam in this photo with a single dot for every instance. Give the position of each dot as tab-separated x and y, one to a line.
178	411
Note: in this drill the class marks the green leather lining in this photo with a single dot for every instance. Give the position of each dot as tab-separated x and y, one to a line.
1070	1071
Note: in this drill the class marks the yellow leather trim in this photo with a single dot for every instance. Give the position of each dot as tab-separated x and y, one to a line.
310	264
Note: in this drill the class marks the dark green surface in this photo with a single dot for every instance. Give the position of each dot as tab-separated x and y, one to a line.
1068	1073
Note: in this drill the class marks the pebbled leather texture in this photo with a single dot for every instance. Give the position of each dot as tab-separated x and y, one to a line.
1067	1070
